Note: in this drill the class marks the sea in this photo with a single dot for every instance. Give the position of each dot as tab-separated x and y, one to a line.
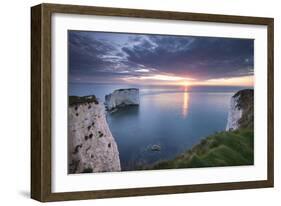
171	119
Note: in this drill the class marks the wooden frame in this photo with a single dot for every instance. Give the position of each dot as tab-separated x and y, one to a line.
41	101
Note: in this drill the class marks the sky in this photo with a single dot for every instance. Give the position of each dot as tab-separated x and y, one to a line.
146	59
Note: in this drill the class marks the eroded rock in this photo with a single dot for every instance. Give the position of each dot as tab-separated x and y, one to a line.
87	151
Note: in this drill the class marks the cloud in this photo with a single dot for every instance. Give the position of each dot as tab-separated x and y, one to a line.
200	57
142	70
101	56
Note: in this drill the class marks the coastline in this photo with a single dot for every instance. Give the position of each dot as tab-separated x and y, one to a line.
213	150
233	147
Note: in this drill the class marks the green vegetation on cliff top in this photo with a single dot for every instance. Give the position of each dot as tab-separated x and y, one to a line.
231	148
74	100
246	103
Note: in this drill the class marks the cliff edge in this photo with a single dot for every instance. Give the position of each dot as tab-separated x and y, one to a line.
91	146
241	112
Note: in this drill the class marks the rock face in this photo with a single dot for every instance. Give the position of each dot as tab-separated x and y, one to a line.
91	146
122	97
241	112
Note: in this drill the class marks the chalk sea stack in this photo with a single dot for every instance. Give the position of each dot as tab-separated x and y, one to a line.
121	98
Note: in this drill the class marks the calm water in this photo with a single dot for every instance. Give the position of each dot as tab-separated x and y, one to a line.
175	118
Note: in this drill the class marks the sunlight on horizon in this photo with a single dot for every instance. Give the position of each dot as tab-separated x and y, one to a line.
171	80
233	81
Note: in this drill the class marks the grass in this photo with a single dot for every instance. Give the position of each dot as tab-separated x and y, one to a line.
74	100
231	148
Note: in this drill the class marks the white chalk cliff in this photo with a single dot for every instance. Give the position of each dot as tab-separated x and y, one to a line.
92	147
234	114
241	111
122	97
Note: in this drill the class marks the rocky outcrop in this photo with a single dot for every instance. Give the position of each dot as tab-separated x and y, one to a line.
91	146
241	112
122	97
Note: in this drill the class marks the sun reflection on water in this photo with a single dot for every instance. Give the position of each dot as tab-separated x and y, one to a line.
185	102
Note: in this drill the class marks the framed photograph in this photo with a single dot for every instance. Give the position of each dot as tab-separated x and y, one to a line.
132	102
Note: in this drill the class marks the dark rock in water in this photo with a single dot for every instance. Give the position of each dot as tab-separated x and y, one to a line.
155	148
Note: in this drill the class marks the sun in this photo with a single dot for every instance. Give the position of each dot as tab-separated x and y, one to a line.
184	83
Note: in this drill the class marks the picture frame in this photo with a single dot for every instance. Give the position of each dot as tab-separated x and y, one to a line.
41	101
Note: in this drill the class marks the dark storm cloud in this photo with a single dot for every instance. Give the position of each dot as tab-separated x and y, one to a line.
114	56
89	55
85	51
197	56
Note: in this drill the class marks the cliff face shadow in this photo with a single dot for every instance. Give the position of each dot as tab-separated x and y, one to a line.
127	111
